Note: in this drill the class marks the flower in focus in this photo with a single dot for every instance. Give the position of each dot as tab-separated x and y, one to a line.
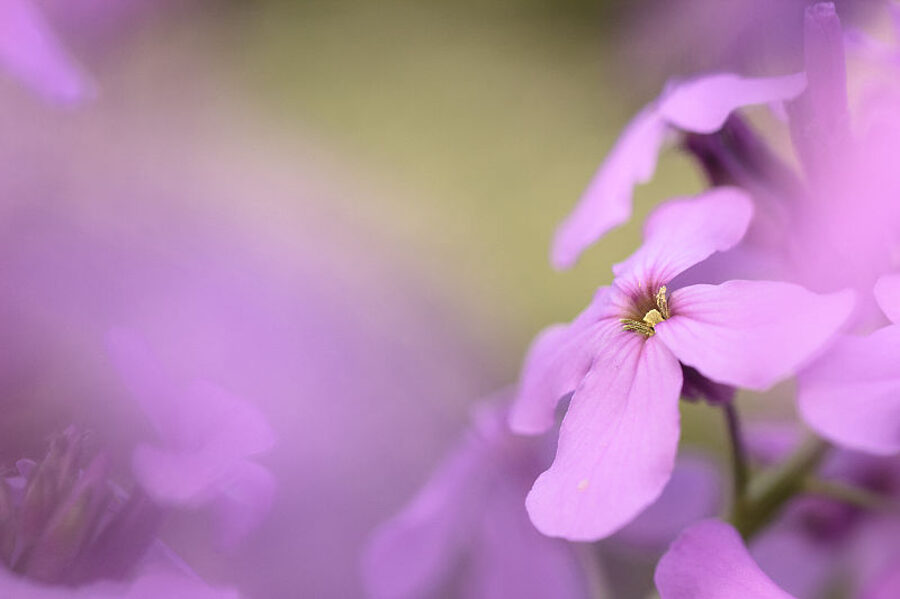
624	359
30	52
207	436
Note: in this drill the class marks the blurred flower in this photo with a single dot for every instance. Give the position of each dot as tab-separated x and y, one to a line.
819	540
207	436
468	525
30	51
623	359
67	531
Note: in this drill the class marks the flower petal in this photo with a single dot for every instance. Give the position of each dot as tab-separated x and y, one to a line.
702	105
887	294
512	559
751	333
30	51
851	395
607	201
557	361
684	232
617	443
709	561
412	553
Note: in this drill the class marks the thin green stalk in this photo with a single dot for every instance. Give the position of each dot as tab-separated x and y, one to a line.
739	470
769	492
849	494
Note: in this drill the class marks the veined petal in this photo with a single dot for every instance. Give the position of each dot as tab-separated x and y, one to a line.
30	51
607	201
751	333
887	294
558	360
617	443
684	232
709	561
851	395
702	105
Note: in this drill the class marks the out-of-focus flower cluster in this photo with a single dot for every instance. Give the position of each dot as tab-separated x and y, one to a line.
782	269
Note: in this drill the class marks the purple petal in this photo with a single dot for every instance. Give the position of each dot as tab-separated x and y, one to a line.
794	559
693	493
819	118
751	333
414	551
684	232
709	561
557	361
886	586
512	559
703	105
30	51
607	201
851	395
244	498
887	294
617	443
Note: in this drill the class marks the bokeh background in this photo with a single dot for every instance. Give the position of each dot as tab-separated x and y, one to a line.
339	209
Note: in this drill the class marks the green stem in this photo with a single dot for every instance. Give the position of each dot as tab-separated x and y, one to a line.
739	470
774	488
849	494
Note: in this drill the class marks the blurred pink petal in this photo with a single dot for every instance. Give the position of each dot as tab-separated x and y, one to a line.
709	561
607	201
851	395
30	52
702	105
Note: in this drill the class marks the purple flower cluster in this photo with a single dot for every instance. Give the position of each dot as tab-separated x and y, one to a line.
777	271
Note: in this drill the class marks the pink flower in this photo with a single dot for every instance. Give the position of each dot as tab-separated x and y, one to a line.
624	356
700	105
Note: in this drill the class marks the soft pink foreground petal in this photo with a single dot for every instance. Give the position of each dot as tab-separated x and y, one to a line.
702	105
607	201
557	361
709	561
617	443
887	294
684	232
512	559
851	395
243	500
751	333
411	553
30	52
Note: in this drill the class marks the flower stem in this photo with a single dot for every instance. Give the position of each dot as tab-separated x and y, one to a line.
849	494
739	469
769	492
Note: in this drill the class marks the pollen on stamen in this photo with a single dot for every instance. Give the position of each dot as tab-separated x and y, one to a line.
654	316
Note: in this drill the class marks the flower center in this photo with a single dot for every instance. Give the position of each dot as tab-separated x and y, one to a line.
651	318
62	521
